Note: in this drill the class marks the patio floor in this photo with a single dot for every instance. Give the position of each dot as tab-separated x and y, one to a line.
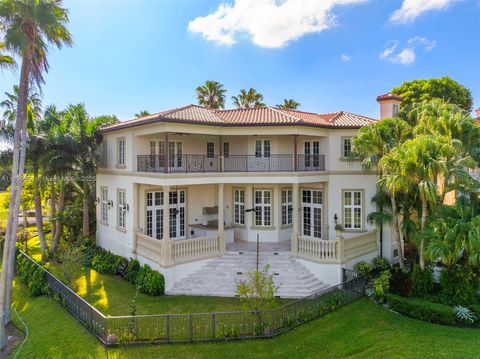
244	246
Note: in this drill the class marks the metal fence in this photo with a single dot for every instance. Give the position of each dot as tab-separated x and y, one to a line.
174	328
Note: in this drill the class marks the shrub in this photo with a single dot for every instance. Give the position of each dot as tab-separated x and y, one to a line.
457	286
363	268
464	314
422	281
380	264
105	262
401	282
150	282
381	286
421	309
131	271
33	276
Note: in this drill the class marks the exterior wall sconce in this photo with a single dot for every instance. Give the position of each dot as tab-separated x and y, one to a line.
335	218
110	203
126	207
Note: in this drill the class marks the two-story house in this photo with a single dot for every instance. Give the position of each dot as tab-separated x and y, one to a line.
181	187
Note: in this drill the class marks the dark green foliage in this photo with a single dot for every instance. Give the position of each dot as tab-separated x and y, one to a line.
150	282
422	309
105	262
401	282
422	281
131	271
33	276
363	268
427	89
381	286
457	286
380	264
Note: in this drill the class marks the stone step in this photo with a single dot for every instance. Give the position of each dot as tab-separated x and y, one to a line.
220	276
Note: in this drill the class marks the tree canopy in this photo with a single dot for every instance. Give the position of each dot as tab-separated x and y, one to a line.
248	99
211	94
427	89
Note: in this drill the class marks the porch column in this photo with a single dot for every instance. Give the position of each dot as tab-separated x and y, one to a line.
166	243
295	216
166	152
221	219
295	154
166	213
326	215
135	208
221	206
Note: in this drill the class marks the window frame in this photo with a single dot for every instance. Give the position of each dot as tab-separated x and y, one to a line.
263	206
238	206
226	149
352	207
210	149
121	210
104	204
344	139
287	206
121	154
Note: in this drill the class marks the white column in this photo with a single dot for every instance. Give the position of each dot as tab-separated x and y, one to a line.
135	210
166	213
249	217
295	217
296	209
221	209
325	214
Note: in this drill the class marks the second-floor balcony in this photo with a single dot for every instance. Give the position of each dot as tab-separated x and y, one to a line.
232	163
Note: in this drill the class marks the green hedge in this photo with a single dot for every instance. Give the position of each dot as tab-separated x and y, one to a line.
150	282
423	310
33	276
145	278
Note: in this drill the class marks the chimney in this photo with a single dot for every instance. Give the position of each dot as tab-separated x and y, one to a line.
477	113
389	105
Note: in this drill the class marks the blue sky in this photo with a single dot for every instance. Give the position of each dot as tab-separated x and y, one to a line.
131	55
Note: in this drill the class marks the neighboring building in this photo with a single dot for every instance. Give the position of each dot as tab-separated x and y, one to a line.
477	114
209	168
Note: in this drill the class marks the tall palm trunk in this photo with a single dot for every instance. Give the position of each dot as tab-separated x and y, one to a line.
20	144
24	217
59	221
397	237
422	240
53	208
86	217
37	199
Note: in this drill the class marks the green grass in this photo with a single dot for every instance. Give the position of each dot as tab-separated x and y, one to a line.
359	330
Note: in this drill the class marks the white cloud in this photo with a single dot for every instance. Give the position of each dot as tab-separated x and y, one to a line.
411	9
269	23
345	57
405	55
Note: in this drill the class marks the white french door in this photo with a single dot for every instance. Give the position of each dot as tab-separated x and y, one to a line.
312	206
154	214
261	161
312	153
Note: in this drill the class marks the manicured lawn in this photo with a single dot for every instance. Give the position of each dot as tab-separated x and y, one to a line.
359	330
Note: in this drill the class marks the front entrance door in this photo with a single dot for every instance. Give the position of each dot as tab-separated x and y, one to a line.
312	204
154	214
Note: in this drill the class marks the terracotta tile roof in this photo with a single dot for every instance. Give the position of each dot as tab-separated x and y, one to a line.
389	96
261	116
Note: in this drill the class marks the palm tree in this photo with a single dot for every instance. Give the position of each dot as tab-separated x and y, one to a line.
34	110
5	60
142	113
288	104
248	99
29	27
373	143
211	94
82	128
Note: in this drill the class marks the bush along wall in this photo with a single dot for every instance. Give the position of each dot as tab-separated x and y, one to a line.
144	277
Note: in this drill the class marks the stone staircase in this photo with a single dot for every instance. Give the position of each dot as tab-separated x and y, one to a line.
220	276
